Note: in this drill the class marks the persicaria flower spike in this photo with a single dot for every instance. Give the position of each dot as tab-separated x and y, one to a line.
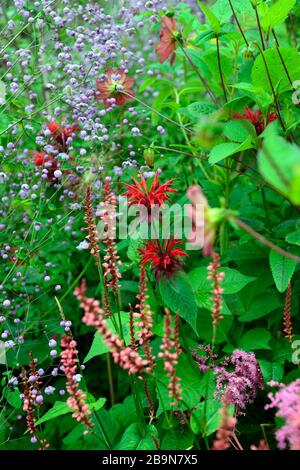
217	277
170	355
112	260
165	258
256	118
115	88
77	399
143	316
203	230
126	357
167	45
287	321
91	227
226	429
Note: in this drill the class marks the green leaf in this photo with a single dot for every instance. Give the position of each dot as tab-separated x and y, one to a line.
97	405
209	413
238	130
262	305
279	171
213	20
221	151
98	346
178	439
132	439
293	238
282	270
197	110
258	338
191	384
59	408
277	73
13	397
277	13
271	370
177	294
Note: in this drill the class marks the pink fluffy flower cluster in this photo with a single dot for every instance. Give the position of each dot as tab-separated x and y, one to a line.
287	402
239	377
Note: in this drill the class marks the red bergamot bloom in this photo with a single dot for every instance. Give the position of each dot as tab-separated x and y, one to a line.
138	193
116	85
165	258
256	118
167	45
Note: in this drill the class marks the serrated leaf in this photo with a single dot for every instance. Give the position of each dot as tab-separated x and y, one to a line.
278	171
239	130
293	238
271	370
282	270
197	109
225	150
258	338
277	13
177	294
277	73
261	305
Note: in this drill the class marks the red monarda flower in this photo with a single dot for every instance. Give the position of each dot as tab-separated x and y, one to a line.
138	193
115	85
165	258
167	45
256	118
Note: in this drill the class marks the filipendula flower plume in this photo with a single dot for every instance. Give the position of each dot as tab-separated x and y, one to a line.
287	402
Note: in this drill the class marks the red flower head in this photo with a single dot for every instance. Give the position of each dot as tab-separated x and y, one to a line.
256	118
167	45
115	83
138	193
61	133
165	258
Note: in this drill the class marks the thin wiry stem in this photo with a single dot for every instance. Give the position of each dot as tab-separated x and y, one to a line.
272	86
238	23
220	69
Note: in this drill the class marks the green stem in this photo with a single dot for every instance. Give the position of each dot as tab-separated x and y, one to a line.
259	28
238	23
263	239
272	86
110	379
282	61
220	69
